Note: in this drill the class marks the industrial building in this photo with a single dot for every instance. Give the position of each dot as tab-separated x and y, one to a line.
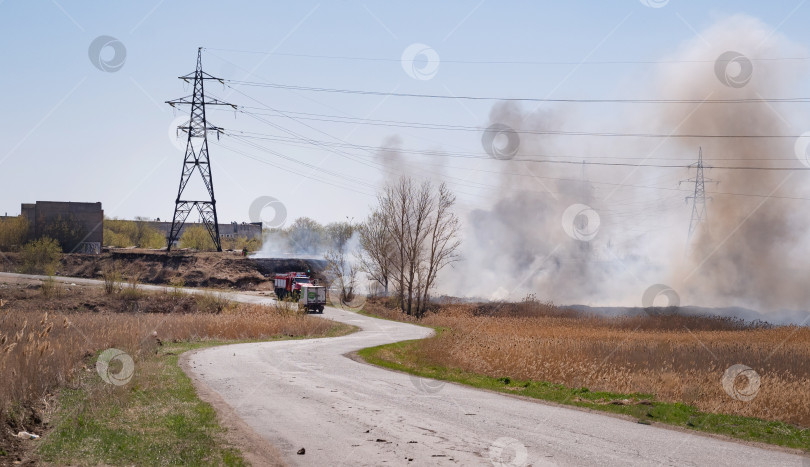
85	222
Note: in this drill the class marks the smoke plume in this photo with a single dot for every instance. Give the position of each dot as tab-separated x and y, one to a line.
599	235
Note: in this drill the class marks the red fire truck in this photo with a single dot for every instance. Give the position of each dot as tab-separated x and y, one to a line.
289	284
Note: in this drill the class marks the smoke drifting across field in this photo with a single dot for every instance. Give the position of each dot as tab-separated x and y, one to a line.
754	252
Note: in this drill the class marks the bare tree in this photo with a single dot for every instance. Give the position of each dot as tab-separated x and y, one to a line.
423	232
340	269
377	253
442	242
341	272
393	207
414	240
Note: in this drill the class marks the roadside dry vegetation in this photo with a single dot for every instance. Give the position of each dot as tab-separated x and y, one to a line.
50	334
672	357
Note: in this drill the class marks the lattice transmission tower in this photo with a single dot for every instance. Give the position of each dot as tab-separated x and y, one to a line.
699	215
197	158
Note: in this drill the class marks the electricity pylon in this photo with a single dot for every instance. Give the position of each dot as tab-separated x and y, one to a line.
196	158
698	198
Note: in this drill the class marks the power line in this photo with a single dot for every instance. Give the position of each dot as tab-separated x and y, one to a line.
753	195
369	150
348	178
294	134
495	62
441	126
340	153
455	167
480	155
359	182
795	100
577	159
298	173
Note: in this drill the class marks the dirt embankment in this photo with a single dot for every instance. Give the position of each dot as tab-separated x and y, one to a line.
192	269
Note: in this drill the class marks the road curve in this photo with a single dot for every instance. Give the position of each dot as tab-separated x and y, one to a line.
309	394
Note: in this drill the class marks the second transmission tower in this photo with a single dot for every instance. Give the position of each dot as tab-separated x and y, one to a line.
196	159
698	197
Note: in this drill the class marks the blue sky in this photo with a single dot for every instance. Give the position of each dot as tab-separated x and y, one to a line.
74	132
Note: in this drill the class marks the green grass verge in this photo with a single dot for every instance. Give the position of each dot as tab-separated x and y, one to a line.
402	356
155	419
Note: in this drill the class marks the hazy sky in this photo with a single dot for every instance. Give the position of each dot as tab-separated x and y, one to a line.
71	131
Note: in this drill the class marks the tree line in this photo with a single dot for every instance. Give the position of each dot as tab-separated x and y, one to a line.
306	236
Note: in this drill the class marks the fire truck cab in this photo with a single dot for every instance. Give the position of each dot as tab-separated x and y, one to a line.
289	285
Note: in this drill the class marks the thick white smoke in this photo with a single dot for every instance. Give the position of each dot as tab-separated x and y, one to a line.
753	253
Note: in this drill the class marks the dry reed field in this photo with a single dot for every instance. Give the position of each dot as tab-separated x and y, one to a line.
52	331
676	358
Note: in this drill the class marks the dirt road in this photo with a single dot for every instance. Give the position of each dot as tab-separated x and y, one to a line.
309	394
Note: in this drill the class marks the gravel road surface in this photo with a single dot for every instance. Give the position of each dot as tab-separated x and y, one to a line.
309	394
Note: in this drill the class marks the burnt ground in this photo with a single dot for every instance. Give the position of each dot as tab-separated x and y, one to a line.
192	269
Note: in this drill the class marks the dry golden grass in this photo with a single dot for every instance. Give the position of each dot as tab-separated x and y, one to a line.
47	335
677	358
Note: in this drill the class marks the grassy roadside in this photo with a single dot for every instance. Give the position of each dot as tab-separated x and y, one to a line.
155	419
401	356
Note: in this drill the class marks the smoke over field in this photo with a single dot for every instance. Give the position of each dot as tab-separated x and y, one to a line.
621	236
